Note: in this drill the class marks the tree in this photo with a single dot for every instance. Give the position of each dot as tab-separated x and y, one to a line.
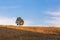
19	21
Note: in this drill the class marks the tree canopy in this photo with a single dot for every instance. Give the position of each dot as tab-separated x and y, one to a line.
19	21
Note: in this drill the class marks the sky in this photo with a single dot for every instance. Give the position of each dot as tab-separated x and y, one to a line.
33	12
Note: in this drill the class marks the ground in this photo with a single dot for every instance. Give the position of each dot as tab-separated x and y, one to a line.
9	32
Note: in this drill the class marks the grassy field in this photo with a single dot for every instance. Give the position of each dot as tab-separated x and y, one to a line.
29	33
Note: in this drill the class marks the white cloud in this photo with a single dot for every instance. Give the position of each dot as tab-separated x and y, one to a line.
28	22
54	13
55	21
11	21
7	20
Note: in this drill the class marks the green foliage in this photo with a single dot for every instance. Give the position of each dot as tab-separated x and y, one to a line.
19	21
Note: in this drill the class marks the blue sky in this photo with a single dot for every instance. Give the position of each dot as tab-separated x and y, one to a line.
34	12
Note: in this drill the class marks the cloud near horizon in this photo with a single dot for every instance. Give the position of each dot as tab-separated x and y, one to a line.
11	21
55	18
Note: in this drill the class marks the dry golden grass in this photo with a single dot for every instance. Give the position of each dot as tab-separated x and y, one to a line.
29	33
39	29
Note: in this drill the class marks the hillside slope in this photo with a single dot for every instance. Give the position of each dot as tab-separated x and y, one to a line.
39	29
29	33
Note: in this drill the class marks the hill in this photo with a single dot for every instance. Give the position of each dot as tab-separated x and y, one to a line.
29	33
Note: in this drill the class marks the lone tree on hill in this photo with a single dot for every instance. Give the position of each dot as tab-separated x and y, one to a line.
19	21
